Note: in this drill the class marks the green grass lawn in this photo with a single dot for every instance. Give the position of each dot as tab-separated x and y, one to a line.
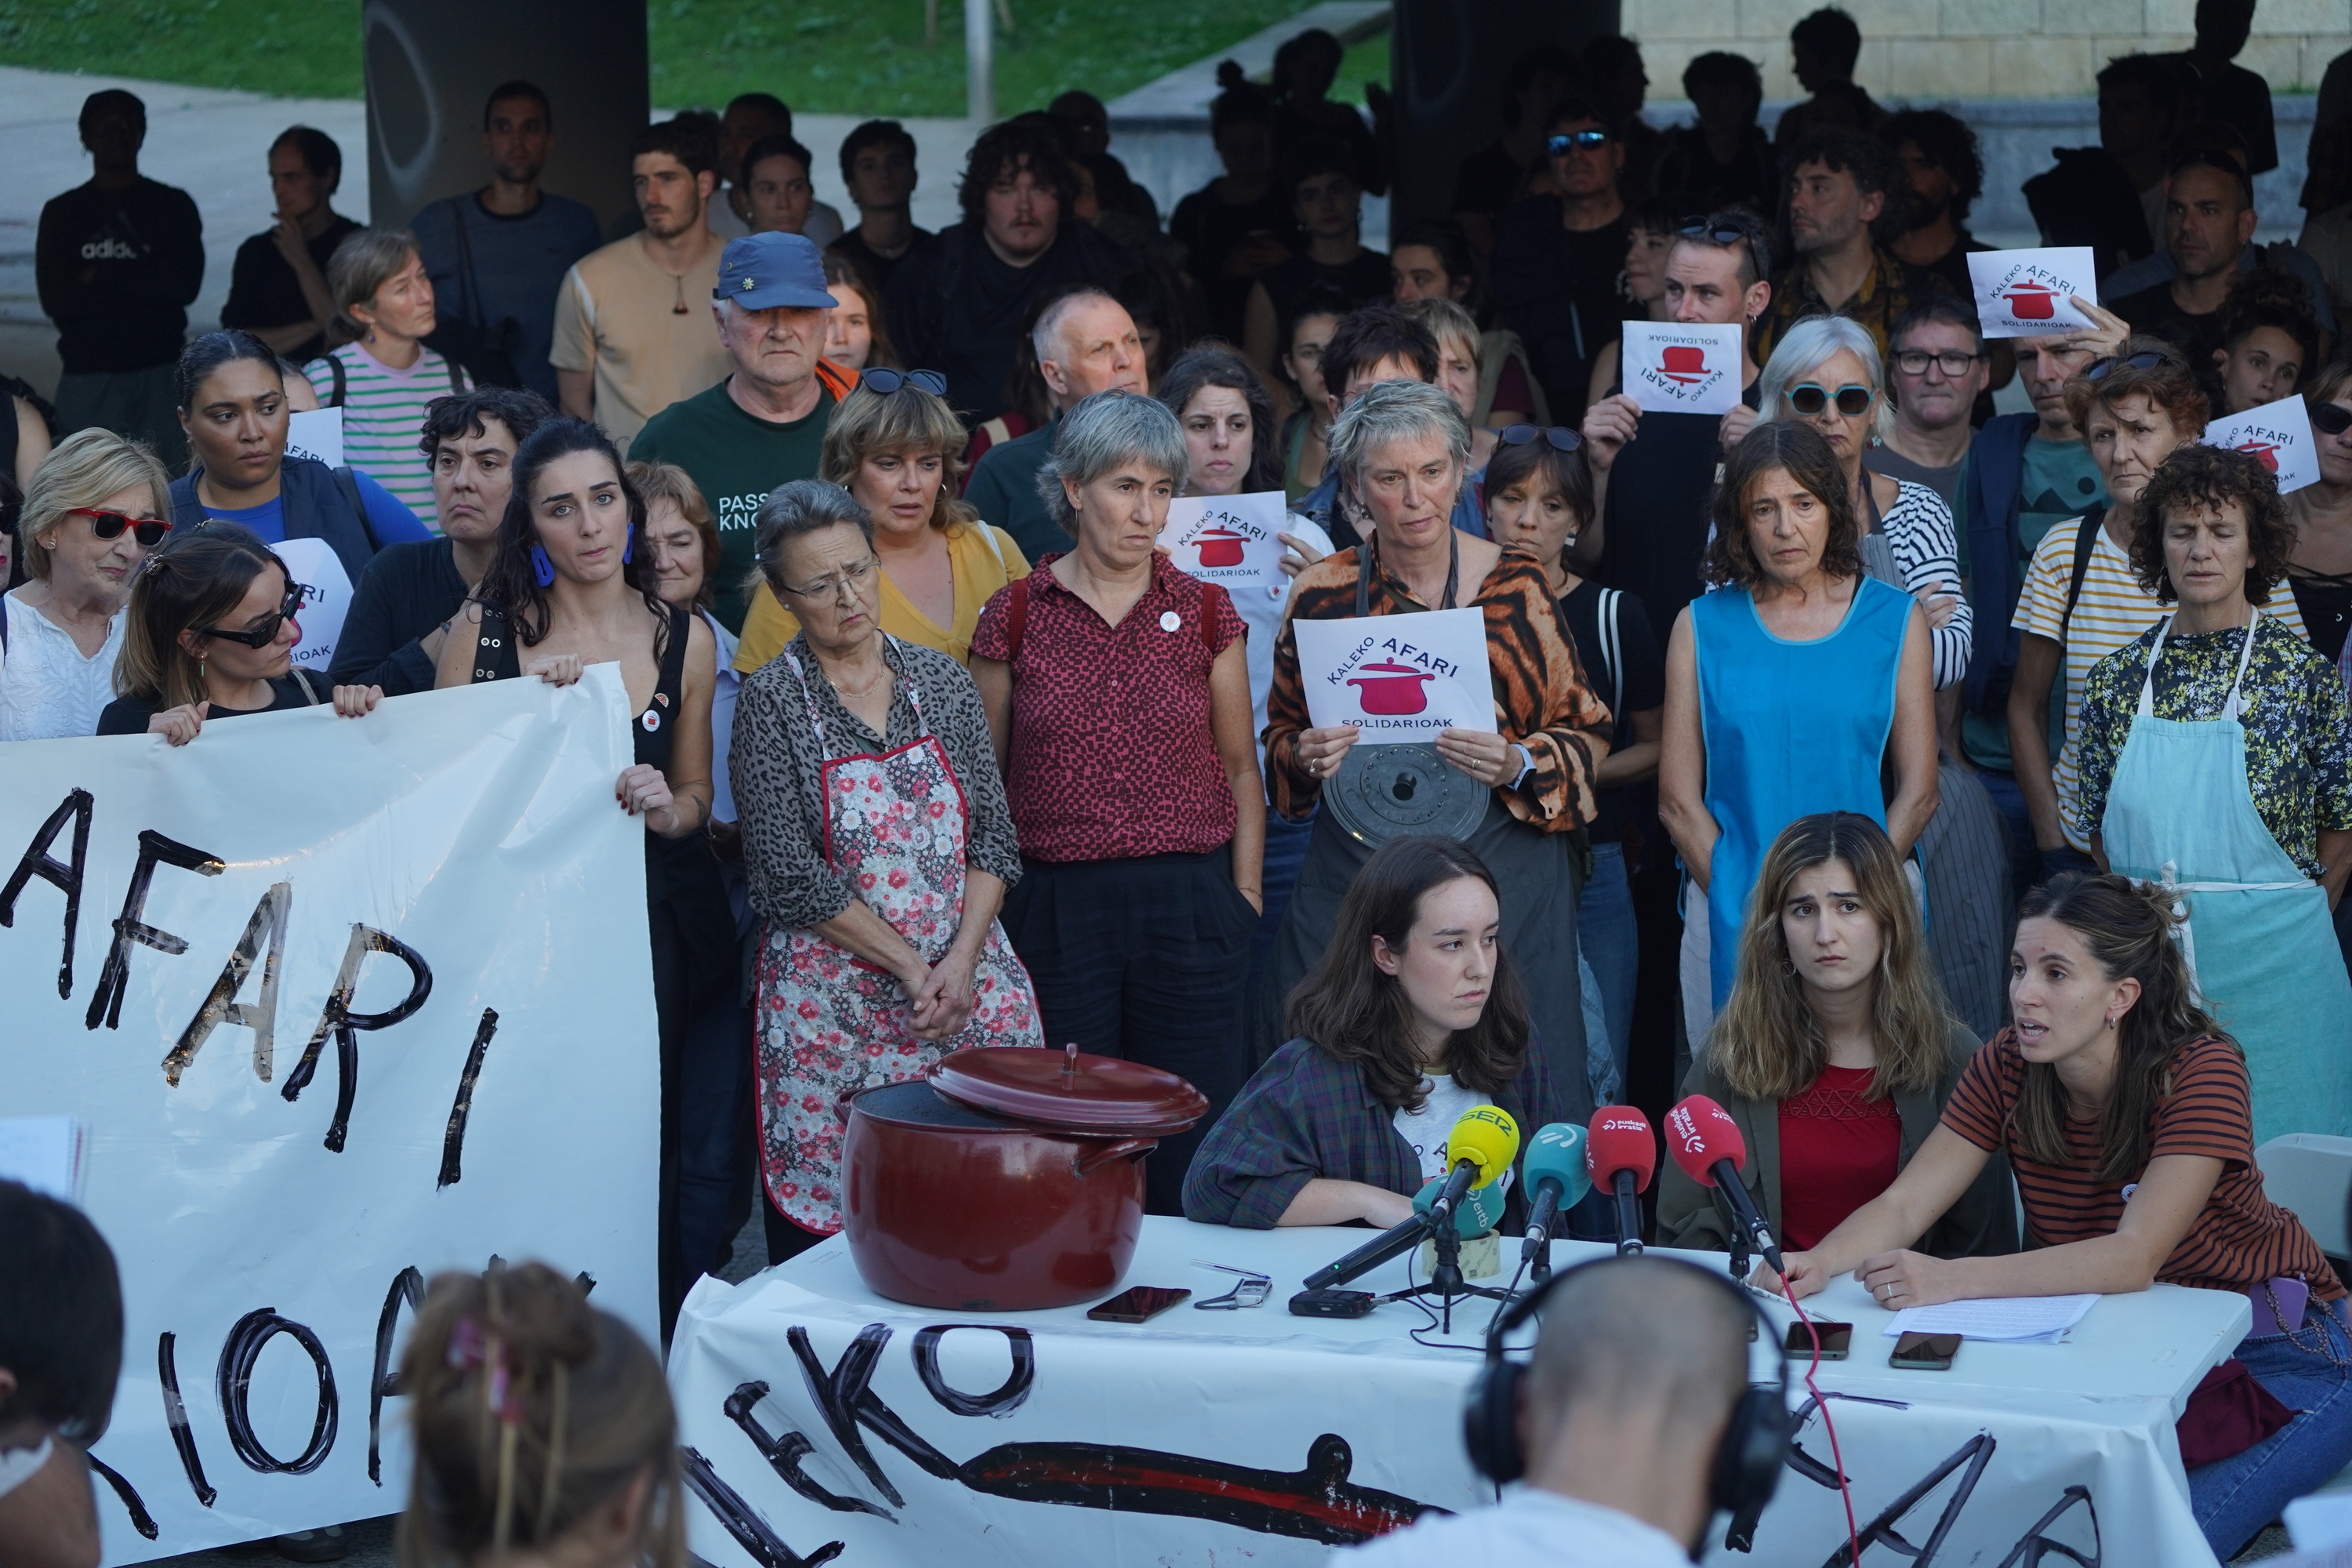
846	57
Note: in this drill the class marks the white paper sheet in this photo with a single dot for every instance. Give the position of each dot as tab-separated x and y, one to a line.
43	1152
1678	367
2031	293
1998	1318
1400	678
2277	436
316	434
1228	540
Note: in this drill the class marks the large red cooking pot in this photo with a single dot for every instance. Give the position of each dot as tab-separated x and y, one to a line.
1010	1181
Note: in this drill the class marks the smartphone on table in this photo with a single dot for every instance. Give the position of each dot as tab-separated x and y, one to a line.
1138	1304
1837	1341
1925	1353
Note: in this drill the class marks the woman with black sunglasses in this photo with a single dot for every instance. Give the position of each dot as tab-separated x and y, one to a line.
94	511
2319	568
211	634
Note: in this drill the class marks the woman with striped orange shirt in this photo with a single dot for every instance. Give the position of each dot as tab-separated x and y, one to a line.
2124	1112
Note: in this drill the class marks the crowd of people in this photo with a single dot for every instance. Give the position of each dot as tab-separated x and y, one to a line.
1955	796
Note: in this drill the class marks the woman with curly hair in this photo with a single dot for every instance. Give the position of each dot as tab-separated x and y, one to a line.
2217	757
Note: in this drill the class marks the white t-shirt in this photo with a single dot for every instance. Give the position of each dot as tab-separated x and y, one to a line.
1531	1528
1426	1128
47	688
1261	611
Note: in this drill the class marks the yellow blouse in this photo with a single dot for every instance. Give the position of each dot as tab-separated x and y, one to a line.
981	558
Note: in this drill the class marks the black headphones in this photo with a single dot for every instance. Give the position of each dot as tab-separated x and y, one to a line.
1748	1461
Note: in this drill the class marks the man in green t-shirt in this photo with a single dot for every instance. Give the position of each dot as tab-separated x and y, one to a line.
2025	474
764	425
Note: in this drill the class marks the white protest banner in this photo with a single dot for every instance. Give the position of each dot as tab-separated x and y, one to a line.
1399	678
2277	435
316	434
380	1006
1673	368
1228	540
326	599
2030	293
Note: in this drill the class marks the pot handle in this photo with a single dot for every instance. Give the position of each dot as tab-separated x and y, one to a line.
1124	1149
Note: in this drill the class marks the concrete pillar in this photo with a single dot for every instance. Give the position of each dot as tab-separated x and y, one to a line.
432	63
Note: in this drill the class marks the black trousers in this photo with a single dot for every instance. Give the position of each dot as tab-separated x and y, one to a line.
1146	960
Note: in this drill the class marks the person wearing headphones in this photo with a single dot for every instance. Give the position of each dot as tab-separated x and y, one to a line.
1618	1428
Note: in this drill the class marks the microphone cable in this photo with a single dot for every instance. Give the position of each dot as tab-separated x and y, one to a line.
1845	1491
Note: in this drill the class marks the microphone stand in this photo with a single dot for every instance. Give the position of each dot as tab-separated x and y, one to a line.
1447	1284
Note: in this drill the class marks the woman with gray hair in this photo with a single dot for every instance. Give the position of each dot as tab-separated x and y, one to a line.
1825	372
1117	694
879	847
1403	447
97	506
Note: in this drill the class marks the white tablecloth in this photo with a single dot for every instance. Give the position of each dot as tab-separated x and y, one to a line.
816	1413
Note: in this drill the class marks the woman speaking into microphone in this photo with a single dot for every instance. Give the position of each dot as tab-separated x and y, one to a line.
1414	1016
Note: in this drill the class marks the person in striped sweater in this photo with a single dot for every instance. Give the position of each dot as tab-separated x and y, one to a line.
383	378
2123	1110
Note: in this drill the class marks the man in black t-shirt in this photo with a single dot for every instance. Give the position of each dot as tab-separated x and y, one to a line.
957	306
1556	257
877	165
277	285
118	261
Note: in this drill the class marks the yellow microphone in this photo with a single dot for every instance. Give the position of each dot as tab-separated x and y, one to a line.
1481	1147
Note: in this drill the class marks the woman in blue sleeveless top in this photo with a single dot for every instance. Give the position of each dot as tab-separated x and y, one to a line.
1788	687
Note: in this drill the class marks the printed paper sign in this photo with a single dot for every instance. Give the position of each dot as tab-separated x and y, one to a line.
1671	368
2277	435
316	434
2030	293
326	598
1400	678
1232	541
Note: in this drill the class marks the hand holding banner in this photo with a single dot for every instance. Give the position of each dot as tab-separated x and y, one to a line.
2031	293
1232	541
1672	367
2277	435
1399	679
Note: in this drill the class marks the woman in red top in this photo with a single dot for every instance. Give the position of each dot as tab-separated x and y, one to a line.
1835	1051
2123	1110
1117	694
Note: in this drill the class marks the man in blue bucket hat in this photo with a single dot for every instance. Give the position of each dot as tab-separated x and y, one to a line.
764	425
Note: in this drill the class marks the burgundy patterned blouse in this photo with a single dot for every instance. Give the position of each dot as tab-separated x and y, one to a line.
1109	753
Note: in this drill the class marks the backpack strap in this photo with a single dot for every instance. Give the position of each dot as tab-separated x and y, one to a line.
456	376
836	380
2086	540
302	681
988	537
1016	619
1204	610
350	483
335	369
1612	648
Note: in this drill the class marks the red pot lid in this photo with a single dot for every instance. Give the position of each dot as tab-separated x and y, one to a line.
1069	1091
1386	669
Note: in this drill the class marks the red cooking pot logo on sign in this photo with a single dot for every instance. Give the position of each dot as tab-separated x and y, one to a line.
1389	689
1685	363
2263	452
2031	301
1221	546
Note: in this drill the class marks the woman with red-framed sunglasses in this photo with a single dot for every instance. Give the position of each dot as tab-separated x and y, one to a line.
95	509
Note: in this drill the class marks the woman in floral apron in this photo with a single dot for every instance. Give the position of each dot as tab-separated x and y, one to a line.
879	846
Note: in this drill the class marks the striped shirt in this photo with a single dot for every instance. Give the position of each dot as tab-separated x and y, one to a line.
2113	610
2239	1239
384	414
1927	553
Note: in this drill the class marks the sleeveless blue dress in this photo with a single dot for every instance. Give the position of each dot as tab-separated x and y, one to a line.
1792	729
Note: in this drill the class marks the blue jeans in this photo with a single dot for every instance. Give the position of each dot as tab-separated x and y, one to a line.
2234	1497
1609	949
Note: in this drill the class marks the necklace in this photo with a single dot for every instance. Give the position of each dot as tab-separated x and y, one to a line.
678	309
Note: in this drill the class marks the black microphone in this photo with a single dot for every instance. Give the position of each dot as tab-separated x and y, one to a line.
1396	1239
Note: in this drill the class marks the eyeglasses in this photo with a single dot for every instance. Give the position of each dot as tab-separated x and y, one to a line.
850	577
265	633
148	530
1953	363
2331	418
883	381
1566	142
1809	397
2146	359
1559	438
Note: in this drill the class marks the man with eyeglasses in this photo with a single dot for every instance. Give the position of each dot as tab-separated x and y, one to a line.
2209	232
1557	256
1845	200
764	425
1938	368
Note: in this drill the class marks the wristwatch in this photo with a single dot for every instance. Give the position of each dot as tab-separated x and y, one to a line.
1527	766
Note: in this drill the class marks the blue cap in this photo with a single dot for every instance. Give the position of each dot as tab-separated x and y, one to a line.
762	271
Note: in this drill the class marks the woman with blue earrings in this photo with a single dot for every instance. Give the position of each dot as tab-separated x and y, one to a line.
571	585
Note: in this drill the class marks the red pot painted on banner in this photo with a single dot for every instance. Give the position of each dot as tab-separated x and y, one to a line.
1010	1181
2263	452
1221	547
1390	688
1682	361
2033	302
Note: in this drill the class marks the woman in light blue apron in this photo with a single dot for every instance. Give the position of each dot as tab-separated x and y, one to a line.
1788	687
2218	759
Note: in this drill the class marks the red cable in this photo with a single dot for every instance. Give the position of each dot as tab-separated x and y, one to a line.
1853	1538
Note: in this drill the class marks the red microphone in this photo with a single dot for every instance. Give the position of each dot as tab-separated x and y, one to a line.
1621	1151
1705	1142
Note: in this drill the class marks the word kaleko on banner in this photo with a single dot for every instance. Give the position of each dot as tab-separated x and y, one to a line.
2277	436
438	906
1234	542
2031	293
1399	679
1675	367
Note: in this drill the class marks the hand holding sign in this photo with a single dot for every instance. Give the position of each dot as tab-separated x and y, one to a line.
1398	679
1674	367
2277	436
2032	293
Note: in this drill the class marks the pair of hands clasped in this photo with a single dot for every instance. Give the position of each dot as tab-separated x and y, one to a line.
941	996
1483	754
1894	1279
